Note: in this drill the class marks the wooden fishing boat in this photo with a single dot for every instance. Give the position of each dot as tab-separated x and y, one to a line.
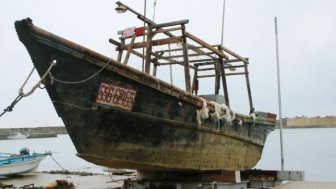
120	117
15	164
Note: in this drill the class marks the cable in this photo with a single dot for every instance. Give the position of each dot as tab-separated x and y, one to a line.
154	7
57	162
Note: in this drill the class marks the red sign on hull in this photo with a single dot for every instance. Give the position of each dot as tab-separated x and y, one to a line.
116	96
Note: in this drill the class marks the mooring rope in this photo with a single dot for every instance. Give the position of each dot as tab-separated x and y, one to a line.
53	63
22	94
57	163
11	106
37	85
80	81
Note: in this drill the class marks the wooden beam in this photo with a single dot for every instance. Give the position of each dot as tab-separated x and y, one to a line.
186	60
205	76
225	67
194	81
180	49
234	54
190	55
154	42
237	73
129	50
168	24
201	52
114	42
191	61
225	89
231	66
148	49
121	51
161	30
201	60
248	89
233	60
217	77
172	63
206	69
206	45
204	63
140	55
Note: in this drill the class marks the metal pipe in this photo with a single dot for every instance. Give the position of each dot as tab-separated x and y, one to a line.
222	36
279	91
144	38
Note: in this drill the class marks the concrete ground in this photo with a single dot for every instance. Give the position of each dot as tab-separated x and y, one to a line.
307	185
80	182
106	182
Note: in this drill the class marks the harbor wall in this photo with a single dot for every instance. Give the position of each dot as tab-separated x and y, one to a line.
309	122
34	132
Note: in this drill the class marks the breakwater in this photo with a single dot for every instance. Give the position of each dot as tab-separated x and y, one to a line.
34	132
309	122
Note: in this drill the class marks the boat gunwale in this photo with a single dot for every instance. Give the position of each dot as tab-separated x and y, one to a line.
39	157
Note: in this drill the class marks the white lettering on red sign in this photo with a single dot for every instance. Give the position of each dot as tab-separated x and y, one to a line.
116	96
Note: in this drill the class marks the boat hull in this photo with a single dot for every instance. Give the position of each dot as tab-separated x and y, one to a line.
153	126
20	165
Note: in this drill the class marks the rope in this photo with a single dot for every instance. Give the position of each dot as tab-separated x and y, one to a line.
38	84
22	94
81	81
57	163
25	82
10	107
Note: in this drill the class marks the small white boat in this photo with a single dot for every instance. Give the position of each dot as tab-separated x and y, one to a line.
6	155
21	164
17	135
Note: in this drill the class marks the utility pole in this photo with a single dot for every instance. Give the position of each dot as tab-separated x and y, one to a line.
279	91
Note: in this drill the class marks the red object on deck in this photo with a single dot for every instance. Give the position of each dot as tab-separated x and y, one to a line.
139	31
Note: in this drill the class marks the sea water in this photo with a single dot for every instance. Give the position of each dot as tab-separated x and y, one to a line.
62	149
309	150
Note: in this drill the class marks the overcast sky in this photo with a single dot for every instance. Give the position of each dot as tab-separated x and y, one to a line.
307	30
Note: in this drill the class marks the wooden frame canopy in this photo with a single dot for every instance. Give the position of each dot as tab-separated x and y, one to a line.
188	51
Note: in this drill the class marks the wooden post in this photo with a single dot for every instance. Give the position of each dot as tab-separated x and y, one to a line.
194	80
129	50
121	49
217	77
225	90
155	61
155	69
248	87
148	49
186	59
